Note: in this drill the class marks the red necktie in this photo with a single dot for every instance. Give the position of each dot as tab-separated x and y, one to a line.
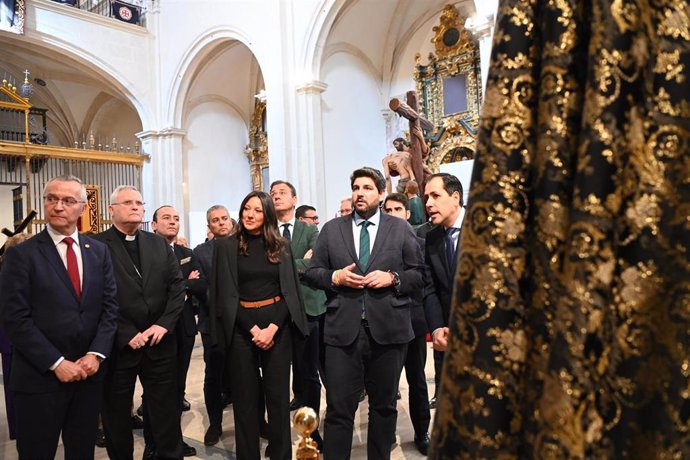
72	266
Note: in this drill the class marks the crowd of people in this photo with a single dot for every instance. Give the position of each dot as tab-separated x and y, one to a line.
345	308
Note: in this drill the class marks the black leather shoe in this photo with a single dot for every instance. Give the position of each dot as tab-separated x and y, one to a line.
225	400
432	403
267	452
187	450
140	410
362	395
422	443
398	396
212	435
149	453
185	405
294	404
100	438
137	423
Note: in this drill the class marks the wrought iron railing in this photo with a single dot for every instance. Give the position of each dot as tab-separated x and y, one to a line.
110	9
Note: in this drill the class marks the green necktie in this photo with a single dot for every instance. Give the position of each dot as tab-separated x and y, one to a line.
364	245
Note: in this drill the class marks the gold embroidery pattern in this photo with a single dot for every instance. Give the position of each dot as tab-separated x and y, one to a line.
570	331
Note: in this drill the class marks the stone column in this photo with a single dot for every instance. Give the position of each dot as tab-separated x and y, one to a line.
309	159
164	179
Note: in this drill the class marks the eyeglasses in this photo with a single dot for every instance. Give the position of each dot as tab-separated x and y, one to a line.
130	203
67	202
312	217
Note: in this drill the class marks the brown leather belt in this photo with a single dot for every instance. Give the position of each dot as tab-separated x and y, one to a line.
260	303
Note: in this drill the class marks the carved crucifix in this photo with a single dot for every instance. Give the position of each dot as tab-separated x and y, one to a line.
418	148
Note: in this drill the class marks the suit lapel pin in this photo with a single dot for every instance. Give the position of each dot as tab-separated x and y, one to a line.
87	245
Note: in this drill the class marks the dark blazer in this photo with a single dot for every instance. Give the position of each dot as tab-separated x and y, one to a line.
195	288
203	254
224	294
417	309
155	297
42	316
388	309
303	239
439	286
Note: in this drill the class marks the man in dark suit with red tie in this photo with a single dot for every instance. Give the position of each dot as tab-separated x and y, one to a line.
369	264
443	198
59	310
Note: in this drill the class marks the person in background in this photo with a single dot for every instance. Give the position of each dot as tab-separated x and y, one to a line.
416	206
6	352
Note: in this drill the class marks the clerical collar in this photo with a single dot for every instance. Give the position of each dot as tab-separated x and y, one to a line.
124	236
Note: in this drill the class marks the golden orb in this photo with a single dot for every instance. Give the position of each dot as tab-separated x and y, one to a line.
305	421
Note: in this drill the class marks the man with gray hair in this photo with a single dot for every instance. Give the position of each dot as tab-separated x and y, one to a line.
59	310
151	295
221	225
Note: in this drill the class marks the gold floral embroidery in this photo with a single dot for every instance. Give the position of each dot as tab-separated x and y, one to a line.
570	325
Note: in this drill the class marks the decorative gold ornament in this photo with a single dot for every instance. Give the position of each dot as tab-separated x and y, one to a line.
305	422
450	89
257	149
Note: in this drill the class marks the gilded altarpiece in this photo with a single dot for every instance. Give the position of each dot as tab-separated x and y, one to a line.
257	149
450	90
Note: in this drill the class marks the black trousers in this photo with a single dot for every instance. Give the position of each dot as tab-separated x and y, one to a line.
245	360
438	368
306	367
364	363
42	417
159	379
185	347
415	361
214	358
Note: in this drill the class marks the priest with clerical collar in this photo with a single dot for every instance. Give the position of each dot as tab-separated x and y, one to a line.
151	295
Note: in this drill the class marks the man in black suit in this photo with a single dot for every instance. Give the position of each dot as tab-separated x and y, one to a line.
59	310
151	296
369	264
397	205
220	225
166	223
443	198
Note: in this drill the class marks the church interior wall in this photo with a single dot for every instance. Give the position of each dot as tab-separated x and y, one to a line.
353	123
189	70
216	168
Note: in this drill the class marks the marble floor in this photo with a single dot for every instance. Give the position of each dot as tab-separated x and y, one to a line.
195	421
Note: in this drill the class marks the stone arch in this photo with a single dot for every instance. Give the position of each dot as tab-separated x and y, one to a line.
192	60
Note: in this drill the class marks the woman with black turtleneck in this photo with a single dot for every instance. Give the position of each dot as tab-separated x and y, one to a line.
256	299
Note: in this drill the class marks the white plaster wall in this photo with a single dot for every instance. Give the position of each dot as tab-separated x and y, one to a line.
217	171
354	128
116	52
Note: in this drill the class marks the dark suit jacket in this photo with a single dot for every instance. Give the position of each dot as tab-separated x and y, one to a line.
155	297
303	239
437	296
388	309
42	316
193	288
417	309
224	293
204	256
